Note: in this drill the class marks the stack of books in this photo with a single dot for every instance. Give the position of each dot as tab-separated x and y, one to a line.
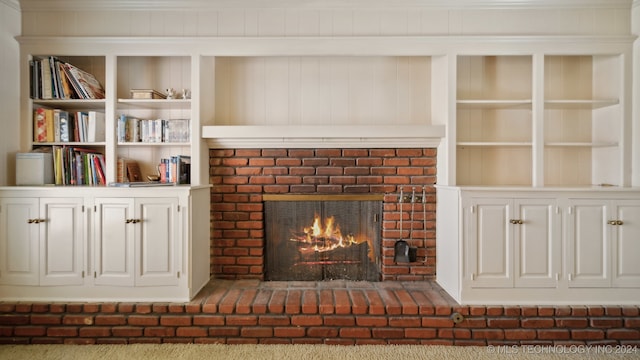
52	78
57	125
78	166
132	129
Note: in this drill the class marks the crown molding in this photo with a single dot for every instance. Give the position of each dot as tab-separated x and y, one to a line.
12	4
88	5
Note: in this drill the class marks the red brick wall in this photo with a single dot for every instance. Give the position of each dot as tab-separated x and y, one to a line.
241	176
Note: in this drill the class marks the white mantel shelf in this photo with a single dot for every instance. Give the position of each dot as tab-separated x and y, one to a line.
321	136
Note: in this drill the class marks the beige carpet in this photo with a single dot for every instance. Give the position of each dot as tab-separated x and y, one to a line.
306	352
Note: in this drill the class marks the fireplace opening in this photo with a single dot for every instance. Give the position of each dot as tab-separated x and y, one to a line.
322	237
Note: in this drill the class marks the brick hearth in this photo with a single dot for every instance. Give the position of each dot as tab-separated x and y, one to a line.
332	312
241	177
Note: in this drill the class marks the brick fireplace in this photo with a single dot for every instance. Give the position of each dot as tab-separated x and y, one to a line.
241	178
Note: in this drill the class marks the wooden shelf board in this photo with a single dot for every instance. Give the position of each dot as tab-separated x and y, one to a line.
157	103
579	104
582	144
72	104
493	144
494	104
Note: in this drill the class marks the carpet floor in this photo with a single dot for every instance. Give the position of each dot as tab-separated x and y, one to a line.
309	352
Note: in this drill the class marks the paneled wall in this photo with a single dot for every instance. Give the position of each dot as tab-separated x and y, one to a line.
323	18
9	94
327	90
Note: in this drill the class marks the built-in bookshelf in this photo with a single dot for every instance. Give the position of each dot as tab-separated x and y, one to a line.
68	116
154	131
494	120
151	121
549	120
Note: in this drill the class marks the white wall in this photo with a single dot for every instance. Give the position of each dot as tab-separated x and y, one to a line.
324	18
635	16
9	90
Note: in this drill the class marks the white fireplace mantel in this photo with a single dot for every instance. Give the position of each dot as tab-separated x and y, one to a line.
319	136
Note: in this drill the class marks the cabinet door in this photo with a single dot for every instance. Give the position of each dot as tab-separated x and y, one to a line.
626	243
61	241
156	248
488	240
19	237
588	251
114	241
537	243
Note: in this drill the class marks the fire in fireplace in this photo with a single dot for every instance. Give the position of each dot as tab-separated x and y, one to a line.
323	237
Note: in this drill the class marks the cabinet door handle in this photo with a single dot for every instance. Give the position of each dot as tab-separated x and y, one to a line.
36	221
516	221
132	221
612	222
619	222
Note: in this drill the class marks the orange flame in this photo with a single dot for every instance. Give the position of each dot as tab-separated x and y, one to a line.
328	237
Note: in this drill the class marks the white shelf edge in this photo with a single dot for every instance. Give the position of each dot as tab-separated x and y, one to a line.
156	103
69	143
141	143
495	104
580	104
493	144
320	136
293	132
582	144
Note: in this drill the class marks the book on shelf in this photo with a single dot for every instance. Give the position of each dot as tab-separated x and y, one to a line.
88	84
95	127
39	125
57	125
52	78
132	129
78	166
147	94
139	184
133	171
128	171
176	169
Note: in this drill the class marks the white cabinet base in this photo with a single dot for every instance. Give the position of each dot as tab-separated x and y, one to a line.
572	247
161	256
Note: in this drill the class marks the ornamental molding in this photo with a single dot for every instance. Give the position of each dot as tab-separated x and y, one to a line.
102	5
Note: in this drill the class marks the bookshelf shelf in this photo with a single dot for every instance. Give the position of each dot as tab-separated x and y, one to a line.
156	103
72	104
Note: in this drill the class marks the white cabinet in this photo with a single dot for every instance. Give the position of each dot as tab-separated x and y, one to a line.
512	242
136	241
107	244
42	241
602	243
19	241
539	246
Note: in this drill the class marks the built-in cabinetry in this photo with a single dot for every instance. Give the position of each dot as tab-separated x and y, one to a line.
103	243
533	209
541	120
42	241
521	123
516	241
136	241
107	242
602	242
540	246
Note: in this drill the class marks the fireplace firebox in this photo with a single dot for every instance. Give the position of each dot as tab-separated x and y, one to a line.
322	237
